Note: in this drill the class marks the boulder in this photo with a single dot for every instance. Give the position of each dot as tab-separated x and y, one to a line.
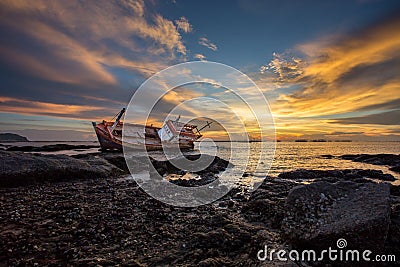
320	213
17	169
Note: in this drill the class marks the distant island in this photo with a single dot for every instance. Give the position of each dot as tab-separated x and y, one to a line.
320	140
10	137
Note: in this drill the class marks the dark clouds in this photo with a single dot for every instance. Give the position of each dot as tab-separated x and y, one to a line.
384	118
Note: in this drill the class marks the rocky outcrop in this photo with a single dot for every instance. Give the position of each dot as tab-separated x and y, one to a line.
391	160
51	148
11	137
267	203
19	169
346	174
319	214
205	176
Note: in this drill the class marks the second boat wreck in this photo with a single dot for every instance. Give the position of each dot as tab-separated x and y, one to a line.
109	134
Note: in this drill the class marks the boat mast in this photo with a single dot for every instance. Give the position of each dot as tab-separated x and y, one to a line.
117	120
207	125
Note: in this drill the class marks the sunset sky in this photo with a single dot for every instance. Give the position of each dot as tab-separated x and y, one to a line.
329	69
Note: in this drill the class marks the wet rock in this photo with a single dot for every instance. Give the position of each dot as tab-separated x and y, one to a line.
267	203
395	168
206	175
117	159
395	190
327	156
320	213
265	210
19	169
393	241
205	179
51	148
310	174
391	160
336	175
215	262
375	174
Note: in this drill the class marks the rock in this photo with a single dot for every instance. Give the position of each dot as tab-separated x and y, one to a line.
50	148
18	169
357	212
117	159
265	210
327	156
206	176
376	174
310	174
391	160
336	175
215	262
195	182
267	203
11	137
395	168
395	190
394	231
392	246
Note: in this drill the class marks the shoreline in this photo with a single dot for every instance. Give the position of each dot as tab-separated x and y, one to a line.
105	220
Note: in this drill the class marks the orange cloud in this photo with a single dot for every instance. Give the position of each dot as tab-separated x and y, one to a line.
76	42
336	77
14	105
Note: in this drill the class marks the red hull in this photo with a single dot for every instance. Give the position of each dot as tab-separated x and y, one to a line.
113	141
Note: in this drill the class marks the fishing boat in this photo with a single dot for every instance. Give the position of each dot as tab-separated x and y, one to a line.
173	132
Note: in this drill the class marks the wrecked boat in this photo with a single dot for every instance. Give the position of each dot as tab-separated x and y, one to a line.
109	134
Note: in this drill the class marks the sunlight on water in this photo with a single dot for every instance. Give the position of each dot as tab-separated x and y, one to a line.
291	156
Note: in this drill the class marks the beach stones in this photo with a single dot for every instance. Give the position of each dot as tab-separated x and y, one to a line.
319	214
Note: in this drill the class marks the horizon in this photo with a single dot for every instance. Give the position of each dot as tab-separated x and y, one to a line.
327	68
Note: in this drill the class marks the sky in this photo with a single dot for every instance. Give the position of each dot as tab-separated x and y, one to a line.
329	69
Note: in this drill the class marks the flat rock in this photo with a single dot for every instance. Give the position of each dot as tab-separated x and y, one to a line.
336	175
391	160
319	214
51	148
18	169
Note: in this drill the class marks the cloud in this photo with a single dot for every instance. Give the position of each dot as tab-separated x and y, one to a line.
183	24
286	68
81	58
338	83
14	105
200	57
385	118
341	76
76	41
207	43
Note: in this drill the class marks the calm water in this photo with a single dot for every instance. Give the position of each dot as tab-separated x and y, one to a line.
291	156
288	155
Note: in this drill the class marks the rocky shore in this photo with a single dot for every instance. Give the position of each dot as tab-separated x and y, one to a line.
50	148
390	160
81	210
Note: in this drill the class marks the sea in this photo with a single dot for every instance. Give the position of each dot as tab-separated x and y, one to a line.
261	159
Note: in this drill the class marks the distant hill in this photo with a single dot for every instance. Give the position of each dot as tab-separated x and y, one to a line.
10	137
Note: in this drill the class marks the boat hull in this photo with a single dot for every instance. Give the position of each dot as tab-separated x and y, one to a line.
110	142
